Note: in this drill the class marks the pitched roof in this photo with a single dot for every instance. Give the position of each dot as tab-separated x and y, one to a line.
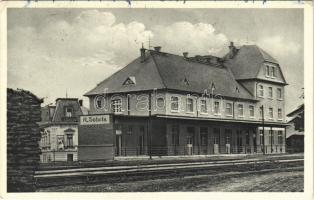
168	71
248	60
56	114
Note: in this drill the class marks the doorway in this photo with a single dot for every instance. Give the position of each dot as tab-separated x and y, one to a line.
70	157
118	145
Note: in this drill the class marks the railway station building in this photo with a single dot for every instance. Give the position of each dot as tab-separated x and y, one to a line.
166	104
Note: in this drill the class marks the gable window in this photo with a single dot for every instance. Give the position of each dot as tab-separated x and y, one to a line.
174	104
279	93
216	108
117	105
271	113
189	105
228	109
130	81
279	114
68	112
267	71
270	92
251	108
203	106
260	91
273	72
240	110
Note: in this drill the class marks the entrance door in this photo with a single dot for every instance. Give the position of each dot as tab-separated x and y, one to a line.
239	142
118	145
190	140
216	140
70	157
228	140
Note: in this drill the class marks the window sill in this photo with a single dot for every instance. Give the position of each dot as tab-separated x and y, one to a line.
189	112
174	111
241	116
203	113
251	117
229	115
280	119
280	99
271	119
217	114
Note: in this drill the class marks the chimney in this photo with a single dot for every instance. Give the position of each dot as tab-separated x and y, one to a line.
81	102
232	50
142	50
185	54
158	48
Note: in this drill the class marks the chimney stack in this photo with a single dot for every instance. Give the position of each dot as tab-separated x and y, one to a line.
185	54
81	102
142	50
232	50
158	48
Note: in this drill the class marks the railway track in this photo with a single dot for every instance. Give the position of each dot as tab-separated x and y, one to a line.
93	175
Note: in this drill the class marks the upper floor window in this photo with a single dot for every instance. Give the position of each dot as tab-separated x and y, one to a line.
261	91
271	113
279	93
203	106
189	105
117	105
69	141
251	108
216	107
240	110
261	112
160	102
174	104
279	114
270	92
229	109
99	102
68	112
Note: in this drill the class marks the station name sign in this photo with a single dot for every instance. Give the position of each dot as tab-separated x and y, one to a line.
94	119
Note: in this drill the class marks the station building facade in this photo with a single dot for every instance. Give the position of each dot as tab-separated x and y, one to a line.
166	104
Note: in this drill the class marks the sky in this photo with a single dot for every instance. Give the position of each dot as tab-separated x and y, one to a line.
54	52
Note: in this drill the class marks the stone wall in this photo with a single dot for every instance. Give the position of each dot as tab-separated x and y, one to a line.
23	136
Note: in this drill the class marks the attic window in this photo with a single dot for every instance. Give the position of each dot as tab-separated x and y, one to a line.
130	81
68	112
237	89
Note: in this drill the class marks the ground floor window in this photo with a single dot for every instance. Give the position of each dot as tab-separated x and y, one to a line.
280	138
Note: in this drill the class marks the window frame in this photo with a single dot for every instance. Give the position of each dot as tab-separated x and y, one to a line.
271	117
270	92
280	118
115	105
280	141
267	74
260	91
189	103
240	104
172	101
281	94
201	105
231	109
219	110
252	106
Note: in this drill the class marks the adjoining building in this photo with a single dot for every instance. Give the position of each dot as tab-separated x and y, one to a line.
59	130
295	130
166	104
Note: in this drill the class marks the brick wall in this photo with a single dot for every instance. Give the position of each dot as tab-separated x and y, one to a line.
23	136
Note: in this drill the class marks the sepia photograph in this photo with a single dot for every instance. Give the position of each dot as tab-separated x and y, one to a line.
155	99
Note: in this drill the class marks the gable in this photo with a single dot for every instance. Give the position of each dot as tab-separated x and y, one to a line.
265	72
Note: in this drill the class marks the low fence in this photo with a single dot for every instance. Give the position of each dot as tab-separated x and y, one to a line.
198	150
